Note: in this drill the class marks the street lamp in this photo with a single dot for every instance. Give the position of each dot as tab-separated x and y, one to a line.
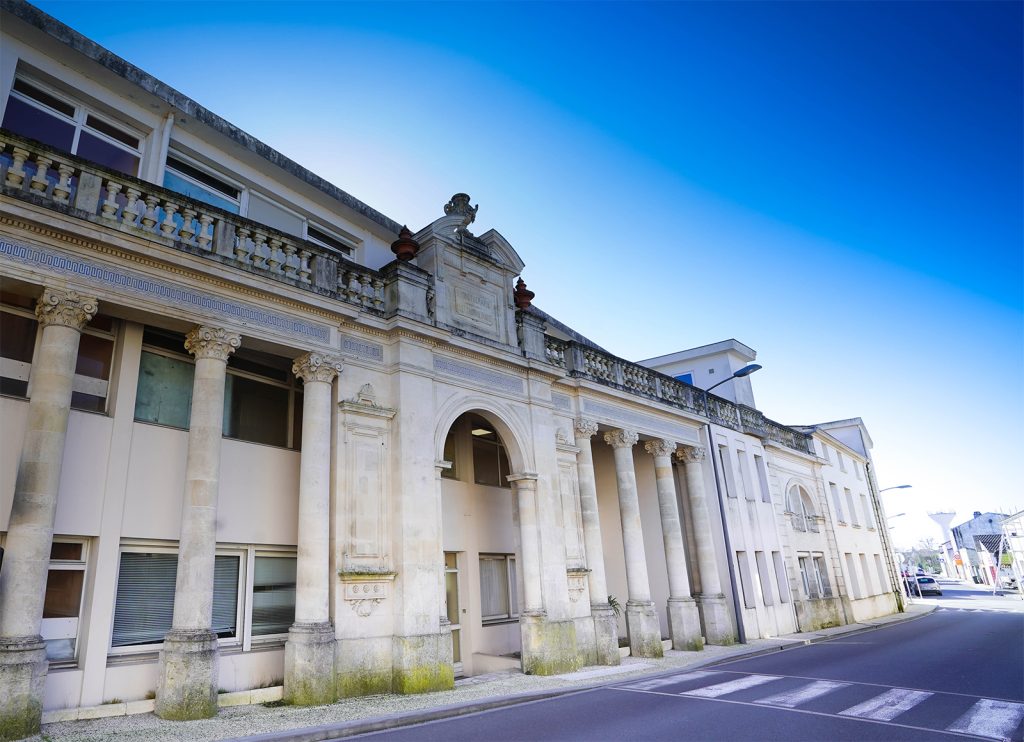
896	487
745	371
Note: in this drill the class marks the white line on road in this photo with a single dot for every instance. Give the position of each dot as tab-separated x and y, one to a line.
730	686
988	718
656	683
803	694
887	706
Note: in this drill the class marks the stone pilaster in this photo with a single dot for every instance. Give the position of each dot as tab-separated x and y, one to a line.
62	315
309	652
605	625
717	625
187	682
683	619
642	622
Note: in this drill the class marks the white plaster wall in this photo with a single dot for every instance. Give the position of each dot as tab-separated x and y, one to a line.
156	481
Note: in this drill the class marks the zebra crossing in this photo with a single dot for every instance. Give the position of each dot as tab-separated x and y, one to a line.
989	718
975	610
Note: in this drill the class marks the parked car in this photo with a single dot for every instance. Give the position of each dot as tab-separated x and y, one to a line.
928	585
1008	582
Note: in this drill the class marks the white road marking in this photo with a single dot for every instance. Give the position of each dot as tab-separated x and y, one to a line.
989	718
730	686
656	683
803	694
888	705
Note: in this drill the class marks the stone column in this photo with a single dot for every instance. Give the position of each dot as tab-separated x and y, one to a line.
717	626
642	622
605	624
525	486
187	677
683	619
309	651
62	315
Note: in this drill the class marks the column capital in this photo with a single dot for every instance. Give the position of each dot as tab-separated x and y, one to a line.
691	454
525	480
585	428
314	366
621	438
65	307
660	447
217	343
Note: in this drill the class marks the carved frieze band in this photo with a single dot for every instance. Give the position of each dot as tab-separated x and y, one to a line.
493	379
212	342
121	279
66	308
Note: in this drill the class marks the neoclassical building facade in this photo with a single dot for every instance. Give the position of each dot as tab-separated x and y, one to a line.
257	434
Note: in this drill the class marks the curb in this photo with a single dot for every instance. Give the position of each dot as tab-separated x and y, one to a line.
383	723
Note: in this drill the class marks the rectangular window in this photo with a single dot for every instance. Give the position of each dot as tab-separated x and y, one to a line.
852	507
450	455
837	502
17	345
821	575
497	588
145	597
745	582
825	452
685	378
851	568
807	577
780	577
727	473
883	578
164	392
745	484
764	578
325	239
451	596
490	460
273	595
869	512
842	460
868	587
62	604
860	469
265	211
762	478
200	184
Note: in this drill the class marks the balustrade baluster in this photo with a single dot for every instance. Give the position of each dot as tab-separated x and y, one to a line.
364	295
149	218
353	286
289	263
378	293
304	270
168	225
187	232
62	188
109	208
16	172
129	214
39	182
242	246
259	257
205	231
272	261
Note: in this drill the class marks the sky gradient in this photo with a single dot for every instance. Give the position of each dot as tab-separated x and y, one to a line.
837	185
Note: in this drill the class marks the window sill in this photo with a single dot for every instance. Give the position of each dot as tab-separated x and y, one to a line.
499	622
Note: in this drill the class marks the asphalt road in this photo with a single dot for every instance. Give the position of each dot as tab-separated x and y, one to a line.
956	673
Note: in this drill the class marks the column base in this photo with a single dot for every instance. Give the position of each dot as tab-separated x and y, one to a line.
23	668
644	629
684	624
718	628
549	647
421	664
363	666
309	664
187	684
606	630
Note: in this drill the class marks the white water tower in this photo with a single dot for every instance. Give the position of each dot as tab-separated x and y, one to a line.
943	521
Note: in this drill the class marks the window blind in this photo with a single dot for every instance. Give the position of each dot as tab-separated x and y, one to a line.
273	595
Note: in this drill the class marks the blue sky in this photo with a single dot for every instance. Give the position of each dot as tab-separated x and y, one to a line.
837	185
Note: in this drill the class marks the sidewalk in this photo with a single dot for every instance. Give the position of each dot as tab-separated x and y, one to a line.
358	715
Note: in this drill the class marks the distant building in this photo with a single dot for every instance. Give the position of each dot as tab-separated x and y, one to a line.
982	524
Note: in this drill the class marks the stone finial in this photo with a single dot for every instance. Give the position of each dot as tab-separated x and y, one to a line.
523	296
459	206
316	367
585	428
621	438
691	454
65	307
217	343
660	447
405	247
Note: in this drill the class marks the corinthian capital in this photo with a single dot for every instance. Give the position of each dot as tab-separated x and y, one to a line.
212	342
316	367
621	438
691	454
66	308
660	447
585	428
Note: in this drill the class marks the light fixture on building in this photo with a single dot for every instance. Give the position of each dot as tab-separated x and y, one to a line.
745	371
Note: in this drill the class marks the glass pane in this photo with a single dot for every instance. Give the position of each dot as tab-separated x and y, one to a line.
451	560
175	182
449	455
88	402
66	552
485	463
202	177
144	605
225	596
513	587
111	131
17	337
456	646
164	391
94	354
273	595
256	412
266	212
31	91
34	123
297	421
60	649
493	588
13	387
98	150
451	594
63	593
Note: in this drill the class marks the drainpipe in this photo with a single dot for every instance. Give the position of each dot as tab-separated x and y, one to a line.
160	160
883	528
713	452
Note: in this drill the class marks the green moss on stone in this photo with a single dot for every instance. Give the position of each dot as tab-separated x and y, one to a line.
313	692
189	708
424	678
21	724
554	649
695	645
355	683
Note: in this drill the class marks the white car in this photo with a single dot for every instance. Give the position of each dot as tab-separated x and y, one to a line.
928	585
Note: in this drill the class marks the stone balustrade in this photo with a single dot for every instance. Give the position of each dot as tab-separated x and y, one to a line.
585	362
59	180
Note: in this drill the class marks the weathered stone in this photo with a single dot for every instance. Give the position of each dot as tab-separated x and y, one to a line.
309	665
718	627
644	629
606	635
187	686
684	624
22	675
422	663
549	647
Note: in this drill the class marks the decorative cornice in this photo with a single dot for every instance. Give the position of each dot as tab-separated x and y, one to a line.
585	428
315	366
691	454
621	438
215	343
660	447
66	308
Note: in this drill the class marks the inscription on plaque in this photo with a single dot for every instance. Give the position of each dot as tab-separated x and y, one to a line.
478	307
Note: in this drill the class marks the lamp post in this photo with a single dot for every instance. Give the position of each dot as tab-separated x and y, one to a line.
745	371
894	487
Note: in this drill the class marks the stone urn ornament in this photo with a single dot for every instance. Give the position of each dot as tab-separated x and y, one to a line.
523	296
405	247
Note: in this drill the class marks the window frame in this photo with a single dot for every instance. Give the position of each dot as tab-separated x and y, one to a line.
177	154
510	587
250	640
69	565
